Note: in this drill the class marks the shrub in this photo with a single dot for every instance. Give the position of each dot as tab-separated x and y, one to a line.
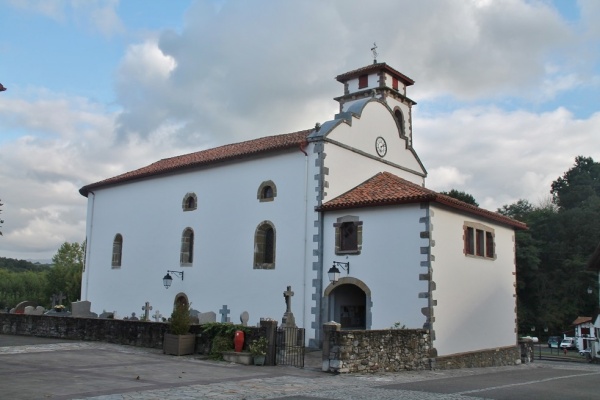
219	345
180	319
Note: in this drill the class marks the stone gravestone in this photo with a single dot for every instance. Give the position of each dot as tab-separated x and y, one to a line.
63	312
39	310
244	316
288	320
107	315
57	299
133	317
28	310
146	308
194	316
224	312
157	316
204	318
81	309
20	308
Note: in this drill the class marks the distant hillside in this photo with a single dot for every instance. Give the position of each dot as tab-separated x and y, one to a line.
13	265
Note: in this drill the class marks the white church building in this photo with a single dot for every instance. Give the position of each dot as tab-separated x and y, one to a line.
236	225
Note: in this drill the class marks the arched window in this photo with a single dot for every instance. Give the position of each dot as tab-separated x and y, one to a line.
117	252
267	191
187	247
264	246
190	202
400	120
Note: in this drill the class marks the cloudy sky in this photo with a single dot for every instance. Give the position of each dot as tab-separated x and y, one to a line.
507	91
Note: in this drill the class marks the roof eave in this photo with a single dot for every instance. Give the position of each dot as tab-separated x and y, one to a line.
428	198
84	191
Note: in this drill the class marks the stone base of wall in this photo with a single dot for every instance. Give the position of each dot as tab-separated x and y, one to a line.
244	358
476	359
377	351
132	333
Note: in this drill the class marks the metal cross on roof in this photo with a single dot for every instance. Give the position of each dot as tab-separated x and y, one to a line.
374	50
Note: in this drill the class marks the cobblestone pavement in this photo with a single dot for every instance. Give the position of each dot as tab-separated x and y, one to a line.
100	371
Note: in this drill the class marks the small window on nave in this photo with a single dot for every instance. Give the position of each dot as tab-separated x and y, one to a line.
117	252
187	247
264	246
190	202
267	191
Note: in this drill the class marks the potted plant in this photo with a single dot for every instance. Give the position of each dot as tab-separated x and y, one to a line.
258	349
178	340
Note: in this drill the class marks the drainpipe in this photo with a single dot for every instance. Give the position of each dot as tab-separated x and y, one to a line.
305	267
89	246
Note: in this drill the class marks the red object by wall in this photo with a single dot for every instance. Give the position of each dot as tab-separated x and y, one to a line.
238	341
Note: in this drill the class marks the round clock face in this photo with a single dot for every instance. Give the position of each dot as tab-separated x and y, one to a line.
380	146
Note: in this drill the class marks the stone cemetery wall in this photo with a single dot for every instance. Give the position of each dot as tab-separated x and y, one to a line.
376	351
127	332
477	359
133	333
395	350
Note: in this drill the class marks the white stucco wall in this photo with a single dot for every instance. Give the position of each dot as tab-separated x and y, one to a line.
392	103
476	303
389	263
351	166
149	216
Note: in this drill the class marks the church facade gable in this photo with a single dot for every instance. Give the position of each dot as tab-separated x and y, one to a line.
370	144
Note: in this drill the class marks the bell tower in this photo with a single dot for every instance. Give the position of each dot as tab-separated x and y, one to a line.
384	83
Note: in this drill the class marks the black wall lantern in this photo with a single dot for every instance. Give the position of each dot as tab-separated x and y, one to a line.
334	272
167	279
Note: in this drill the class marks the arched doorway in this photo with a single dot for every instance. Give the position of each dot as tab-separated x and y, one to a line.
349	303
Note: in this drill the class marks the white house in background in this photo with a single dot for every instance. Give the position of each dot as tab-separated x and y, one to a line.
241	222
584	332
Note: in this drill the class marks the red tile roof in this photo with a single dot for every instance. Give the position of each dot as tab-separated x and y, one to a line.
388	189
207	157
582	320
375	67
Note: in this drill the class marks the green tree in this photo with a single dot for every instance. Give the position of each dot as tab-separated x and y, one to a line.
529	286
462	196
551	256
16	287
578	184
15	265
65	274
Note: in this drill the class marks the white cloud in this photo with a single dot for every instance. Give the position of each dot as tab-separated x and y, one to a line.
505	156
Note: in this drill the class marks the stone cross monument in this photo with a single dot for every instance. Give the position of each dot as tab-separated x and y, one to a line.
288	320
146	309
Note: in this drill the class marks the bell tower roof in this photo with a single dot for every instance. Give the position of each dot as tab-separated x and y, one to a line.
375	68
375	80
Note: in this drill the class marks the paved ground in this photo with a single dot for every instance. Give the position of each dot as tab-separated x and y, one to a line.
36	368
